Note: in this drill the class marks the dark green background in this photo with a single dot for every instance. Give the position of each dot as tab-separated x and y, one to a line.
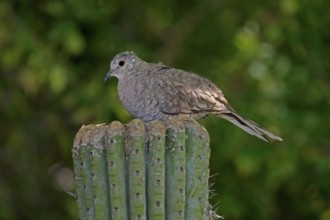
272	60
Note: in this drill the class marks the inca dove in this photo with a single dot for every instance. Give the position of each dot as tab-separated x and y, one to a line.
157	92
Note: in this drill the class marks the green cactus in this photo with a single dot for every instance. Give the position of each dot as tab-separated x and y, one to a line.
157	170
197	171
135	145
115	151
175	170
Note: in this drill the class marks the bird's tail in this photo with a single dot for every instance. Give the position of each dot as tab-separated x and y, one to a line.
250	126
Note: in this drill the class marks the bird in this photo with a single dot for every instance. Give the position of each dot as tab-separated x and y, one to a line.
154	91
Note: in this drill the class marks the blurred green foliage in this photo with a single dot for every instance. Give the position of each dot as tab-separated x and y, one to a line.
271	59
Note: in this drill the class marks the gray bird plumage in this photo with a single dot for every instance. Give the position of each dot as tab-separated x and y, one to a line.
157	92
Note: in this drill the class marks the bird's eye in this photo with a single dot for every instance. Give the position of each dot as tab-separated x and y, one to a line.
121	63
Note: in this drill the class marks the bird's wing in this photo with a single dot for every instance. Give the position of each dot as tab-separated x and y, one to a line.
179	92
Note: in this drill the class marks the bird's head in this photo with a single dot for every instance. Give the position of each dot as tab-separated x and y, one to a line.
121	64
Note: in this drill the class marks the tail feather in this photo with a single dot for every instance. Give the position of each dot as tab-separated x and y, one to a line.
250	127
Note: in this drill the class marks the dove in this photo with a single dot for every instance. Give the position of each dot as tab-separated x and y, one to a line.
154	91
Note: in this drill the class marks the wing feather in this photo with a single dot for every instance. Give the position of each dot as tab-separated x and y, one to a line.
181	93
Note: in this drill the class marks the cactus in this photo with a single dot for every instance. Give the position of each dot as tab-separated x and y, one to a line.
115	151
156	170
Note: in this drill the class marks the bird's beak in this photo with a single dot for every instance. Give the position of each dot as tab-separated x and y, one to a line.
109	74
